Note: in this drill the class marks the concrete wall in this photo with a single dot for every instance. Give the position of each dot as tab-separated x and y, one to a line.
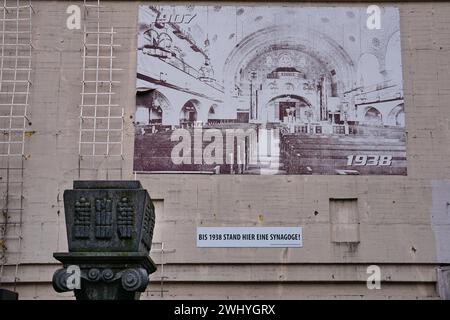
403	221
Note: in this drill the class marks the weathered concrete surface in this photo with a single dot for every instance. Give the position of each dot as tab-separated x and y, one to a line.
440	219
396	229
443	282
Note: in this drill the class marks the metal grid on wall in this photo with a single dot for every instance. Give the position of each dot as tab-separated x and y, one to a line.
15	70
101	118
159	249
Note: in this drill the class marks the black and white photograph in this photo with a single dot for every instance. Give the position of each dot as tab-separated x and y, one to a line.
269	89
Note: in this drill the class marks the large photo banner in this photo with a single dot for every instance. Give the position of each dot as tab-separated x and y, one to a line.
269	89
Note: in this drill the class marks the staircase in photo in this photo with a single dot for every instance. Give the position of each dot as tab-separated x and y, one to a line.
153	151
310	154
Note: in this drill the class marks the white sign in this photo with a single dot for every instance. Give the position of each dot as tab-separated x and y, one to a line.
249	237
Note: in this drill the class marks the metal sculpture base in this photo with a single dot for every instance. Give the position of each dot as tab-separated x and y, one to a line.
103	275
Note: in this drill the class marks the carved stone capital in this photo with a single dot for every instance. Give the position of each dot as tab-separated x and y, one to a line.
103	276
109	231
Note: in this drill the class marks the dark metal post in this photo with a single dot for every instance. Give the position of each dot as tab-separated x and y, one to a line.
109	232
